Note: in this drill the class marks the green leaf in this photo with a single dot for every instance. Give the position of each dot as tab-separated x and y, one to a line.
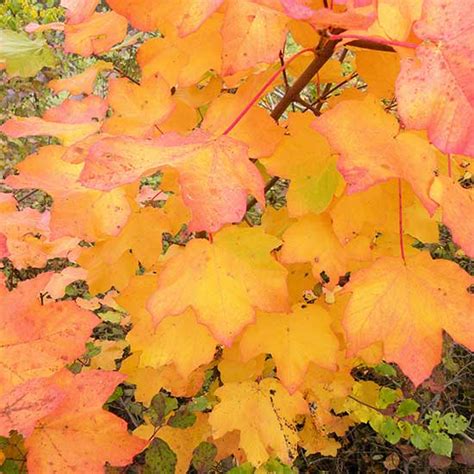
246	468
10	466
454	423
436	422
203	457
159	458
407	407
183	418
405	429
385	369
111	316
441	444
387	396
4	442
420	438
160	406
91	350
24	57
390	431
199	404
118	392
275	466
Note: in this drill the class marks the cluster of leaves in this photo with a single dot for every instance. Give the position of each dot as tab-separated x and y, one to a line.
230	228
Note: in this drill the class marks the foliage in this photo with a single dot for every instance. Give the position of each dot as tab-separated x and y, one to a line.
233	234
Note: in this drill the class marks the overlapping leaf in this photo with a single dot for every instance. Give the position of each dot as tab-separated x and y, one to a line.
215	174
224	281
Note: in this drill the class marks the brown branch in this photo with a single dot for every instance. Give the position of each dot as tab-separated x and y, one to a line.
323	53
124	74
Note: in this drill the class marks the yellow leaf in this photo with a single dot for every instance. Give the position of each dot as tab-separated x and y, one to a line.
305	158
224	281
270	429
290	340
407	306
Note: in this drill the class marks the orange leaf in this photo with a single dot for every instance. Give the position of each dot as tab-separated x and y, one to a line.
22	407
227	106
67	133
80	436
373	150
180	340
215	175
138	108
82	83
252	34
88	109
46	170
175	59
457	204
96	35
304	157
407	307
54	333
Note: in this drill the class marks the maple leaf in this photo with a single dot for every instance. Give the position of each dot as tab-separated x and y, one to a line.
88	109
222	281
271	428
181	441
434	90
79	435
82	83
96	34
150	381
325	253
169	343
379	70
175	59
407	307
290	340
138	108
46	170
457	203
104	273
59	281
28	238
230	105
314	441
232	367
305	158
135	236
67	133
353	18
22	407
369	218
215	174
54	333
196	13
372	149
252	33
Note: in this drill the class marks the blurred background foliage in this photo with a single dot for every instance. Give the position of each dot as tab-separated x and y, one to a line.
365	448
